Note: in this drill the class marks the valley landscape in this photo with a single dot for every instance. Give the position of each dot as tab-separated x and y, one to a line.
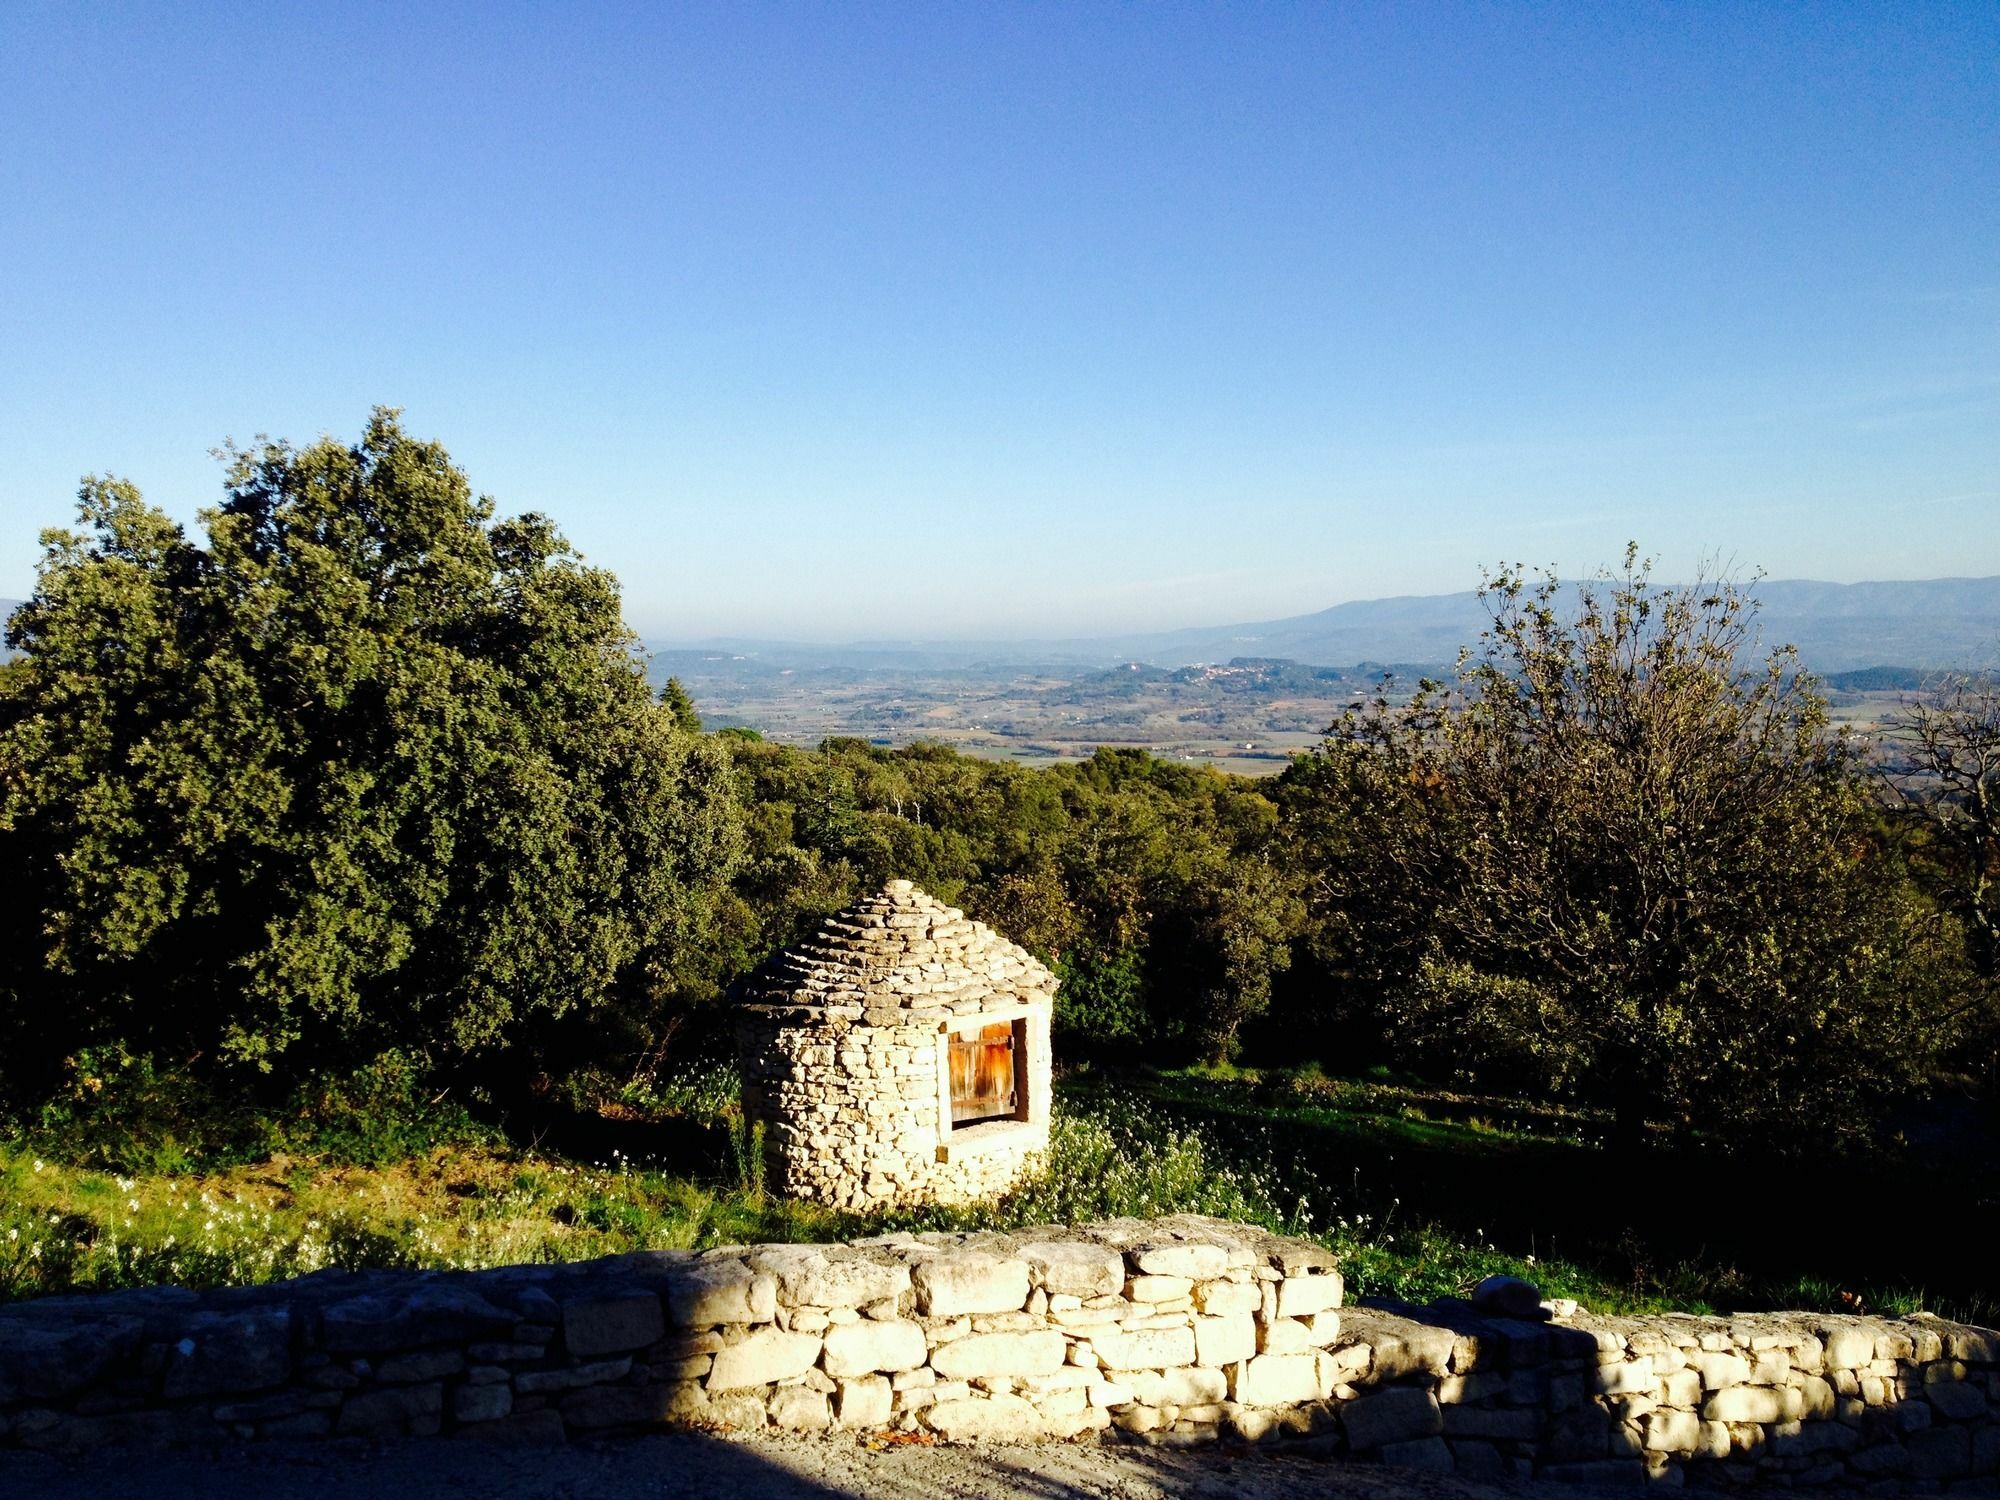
1248	698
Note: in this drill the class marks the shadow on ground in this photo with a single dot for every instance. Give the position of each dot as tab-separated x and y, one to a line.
695	1465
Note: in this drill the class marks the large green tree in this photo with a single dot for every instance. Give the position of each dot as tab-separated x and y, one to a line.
1624	856
362	768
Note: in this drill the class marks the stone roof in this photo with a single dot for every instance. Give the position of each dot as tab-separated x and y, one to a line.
904	949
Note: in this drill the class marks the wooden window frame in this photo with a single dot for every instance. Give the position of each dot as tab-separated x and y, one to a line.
956	1142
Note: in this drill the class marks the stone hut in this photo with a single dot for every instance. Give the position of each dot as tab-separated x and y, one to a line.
900	1054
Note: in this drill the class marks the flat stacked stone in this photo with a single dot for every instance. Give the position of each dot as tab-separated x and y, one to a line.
841	1041
905	950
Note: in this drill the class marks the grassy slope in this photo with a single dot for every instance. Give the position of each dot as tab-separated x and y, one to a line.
1420	1195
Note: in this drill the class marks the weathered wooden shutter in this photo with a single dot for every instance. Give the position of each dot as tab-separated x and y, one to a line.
982	1074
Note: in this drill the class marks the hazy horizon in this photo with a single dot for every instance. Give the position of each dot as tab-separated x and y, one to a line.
1018	323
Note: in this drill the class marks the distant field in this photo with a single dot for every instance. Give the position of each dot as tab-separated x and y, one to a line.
1248	717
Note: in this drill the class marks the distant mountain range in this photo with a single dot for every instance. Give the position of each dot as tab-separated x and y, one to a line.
1838	627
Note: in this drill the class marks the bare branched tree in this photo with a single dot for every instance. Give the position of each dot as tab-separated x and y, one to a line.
1944	745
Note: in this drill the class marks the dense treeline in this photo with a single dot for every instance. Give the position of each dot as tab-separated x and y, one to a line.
367	773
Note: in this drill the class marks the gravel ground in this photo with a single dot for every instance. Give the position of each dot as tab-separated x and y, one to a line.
730	1469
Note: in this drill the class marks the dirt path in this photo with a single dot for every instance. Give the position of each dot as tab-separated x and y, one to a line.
665	1468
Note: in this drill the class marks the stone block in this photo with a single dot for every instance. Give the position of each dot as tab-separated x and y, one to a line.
1720	1371
989	1354
1672	1432
1816	1398
1940	1453
611	1323
811	1276
603	1406
1278	1380
1415	1349
1848	1346
1223	1341
1299	1296
1581	1436
796	1408
1283	1336
424	1364
481	1403
1632	1378
1181	1387
429	1313
409	1410
1508	1297
863	1402
271	1408
1960	1401
1197	1262
702	1293
1431	1454
49	1363
572	1377
951	1285
1498	1423
768	1355
1218	1299
986	1418
222	1353
1398	1415
1152	1349
1158	1288
869	1348
1681	1388
1745	1403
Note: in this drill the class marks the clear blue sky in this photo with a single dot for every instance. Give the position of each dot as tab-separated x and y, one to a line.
870	320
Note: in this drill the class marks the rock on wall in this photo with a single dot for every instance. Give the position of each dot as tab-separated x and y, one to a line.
1180	1331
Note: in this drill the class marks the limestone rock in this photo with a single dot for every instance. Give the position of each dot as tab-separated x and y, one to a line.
1069	1268
987	1354
702	1293
611	1323
1152	1349
869	1348
226	1352
1196	1262
1280	1380
970	1282
1508	1297
1400	1414
768	1355
987	1418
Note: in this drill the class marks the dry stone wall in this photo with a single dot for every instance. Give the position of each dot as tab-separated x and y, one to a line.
1175	1331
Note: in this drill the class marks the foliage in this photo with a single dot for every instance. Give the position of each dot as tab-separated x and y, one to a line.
366	769
1945	741
1619	861
127	1113
1151	887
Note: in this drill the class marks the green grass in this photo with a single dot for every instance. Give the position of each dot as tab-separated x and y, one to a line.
1354	1164
70	1228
